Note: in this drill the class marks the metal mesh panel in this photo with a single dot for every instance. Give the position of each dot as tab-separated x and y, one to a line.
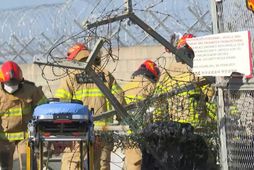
239	129
237	17
239	104
182	99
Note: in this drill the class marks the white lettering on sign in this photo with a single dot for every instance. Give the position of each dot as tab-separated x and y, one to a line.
222	54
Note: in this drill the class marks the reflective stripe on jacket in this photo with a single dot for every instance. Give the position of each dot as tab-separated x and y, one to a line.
15	136
16	110
185	107
90	94
138	89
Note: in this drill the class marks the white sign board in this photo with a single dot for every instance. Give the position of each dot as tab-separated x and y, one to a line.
222	54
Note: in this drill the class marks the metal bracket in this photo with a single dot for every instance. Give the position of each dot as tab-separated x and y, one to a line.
88	25
41	60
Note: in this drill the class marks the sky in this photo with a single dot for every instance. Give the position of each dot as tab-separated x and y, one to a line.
11	4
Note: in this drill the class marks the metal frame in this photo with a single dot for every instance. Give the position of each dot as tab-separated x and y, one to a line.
119	109
38	140
87	66
136	20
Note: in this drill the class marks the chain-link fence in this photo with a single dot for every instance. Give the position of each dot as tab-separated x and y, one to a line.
239	129
238	101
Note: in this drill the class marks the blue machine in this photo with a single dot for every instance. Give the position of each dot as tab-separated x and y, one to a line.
59	122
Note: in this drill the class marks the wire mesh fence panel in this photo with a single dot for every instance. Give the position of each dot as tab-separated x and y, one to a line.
239	129
177	122
237	17
239	103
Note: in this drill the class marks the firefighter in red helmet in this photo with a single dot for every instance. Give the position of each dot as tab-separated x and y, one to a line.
182	48
143	84
80	86
195	106
18	98
149	70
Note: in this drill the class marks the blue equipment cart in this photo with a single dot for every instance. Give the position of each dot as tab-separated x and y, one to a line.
59	121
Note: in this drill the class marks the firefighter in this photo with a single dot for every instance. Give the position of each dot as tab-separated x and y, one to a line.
143	84
195	106
18	99
81	87
194	109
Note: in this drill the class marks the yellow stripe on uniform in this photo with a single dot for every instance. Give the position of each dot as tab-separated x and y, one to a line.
91	92
116	89
63	94
13	136
100	123
17	111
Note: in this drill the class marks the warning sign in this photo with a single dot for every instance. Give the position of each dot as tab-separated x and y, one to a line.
222	54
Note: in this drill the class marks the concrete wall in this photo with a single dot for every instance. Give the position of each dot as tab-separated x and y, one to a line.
129	60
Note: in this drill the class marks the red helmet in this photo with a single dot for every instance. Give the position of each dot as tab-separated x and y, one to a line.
10	73
149	69
74	52
182	41
178	40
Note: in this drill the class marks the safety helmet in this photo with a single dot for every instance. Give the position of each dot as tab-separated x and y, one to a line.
178	40
78	52
149	69
10	73
182	41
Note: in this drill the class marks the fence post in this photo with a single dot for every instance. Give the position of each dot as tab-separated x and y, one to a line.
216	12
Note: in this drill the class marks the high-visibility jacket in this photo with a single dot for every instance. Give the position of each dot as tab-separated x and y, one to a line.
138	89
189	106
16	110
89	93
135	90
